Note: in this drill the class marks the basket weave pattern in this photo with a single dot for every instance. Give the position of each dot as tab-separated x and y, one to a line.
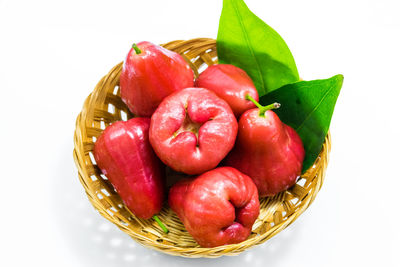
104	106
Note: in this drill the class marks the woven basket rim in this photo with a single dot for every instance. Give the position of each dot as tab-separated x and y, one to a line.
233	249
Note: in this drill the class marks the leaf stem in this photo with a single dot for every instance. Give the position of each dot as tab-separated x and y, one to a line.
137	49
263	109
155	217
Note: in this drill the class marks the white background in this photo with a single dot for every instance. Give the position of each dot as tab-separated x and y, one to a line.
52	53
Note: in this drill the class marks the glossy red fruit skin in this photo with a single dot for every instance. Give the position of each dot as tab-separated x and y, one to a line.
147	78
218	207
192	130
231	84
124	155
268	151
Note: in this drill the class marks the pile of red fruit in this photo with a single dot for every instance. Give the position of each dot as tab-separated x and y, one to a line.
212	127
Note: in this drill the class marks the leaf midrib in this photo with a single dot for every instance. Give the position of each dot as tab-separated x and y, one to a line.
315	108
248	44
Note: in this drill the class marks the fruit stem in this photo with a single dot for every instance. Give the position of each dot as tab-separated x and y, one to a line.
137	49
155	217
263	109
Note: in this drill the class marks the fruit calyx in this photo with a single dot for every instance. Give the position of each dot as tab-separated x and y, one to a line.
188	125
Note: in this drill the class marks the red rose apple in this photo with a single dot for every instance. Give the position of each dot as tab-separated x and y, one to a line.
231	84
192	130
150	73
217	208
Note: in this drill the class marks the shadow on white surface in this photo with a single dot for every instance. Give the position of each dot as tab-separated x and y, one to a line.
97	242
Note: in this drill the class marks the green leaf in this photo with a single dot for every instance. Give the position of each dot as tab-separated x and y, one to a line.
307	106
247	42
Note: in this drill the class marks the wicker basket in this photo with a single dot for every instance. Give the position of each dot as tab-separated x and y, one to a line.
104	106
